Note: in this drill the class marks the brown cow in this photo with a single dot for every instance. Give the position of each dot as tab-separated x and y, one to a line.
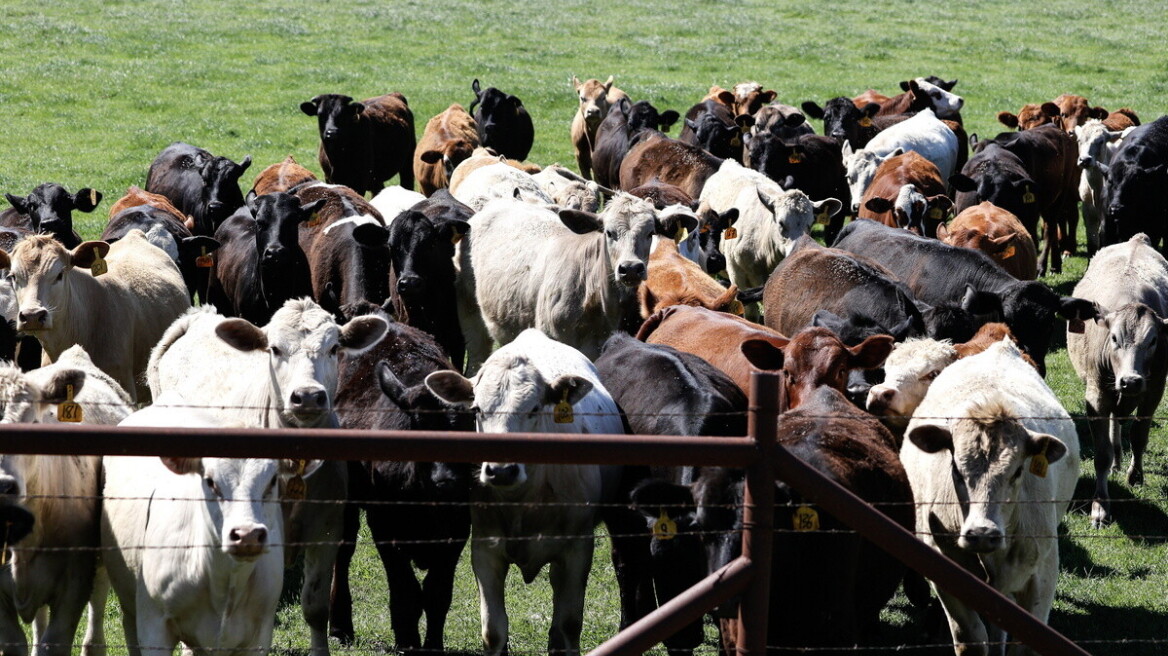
1067	111
676	280
670	161
663	195
449	139
907	192
595	98
136	196
814	357
745	98
987	336
870	96
997	233
281	176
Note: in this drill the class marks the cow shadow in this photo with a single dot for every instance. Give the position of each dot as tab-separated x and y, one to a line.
1104	629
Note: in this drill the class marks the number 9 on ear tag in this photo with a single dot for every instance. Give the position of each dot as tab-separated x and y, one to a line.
563	411
99	266
69	412
664	528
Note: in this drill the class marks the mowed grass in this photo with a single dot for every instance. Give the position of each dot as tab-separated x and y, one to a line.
91	92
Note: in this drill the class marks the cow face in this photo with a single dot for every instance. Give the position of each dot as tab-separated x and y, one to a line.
719	133
422	251
628	224
41	277
50	207
26	398
861	168
278	218
1031	116
1029	310
944	103
221	189
1132	193
495	113
1132	345
908	373
335	114
1096	143
843	121
593	97
749	97
642	114
794	214
989	458
914	211
816	356
303	343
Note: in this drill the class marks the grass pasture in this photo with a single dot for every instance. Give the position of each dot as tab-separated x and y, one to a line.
91	92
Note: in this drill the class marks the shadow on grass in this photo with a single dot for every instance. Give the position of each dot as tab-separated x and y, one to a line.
1116	631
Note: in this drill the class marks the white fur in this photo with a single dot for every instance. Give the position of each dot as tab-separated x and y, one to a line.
355	219
908	372
394	200
1099	144
499	180
923	133
946	103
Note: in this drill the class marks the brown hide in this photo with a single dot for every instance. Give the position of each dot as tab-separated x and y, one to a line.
986	336
450	136
670	161
870	96
997	233
675	280
281	176
485	157
136	196
894	173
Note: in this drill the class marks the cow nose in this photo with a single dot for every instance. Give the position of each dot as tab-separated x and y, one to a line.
500	474
409	284
880	398
330	133
839	134
1131	384
273	253
34	318
715	263
631	272
592	112
247	541
981	539
308	399
215	205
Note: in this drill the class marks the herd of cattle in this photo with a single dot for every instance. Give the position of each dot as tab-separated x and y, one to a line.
636	296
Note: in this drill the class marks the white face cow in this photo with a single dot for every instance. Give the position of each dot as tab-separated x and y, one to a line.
795	213
946	104
908	372
1134	332
41	273
303	342
241	498
861	169
628	224
1096	142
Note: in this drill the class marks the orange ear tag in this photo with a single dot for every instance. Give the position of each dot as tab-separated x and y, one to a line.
204	261
1028	197
805	519
794	158
69	412
99	266
297	489
730	233
1008	253
865	122
664	528
563	411
314	220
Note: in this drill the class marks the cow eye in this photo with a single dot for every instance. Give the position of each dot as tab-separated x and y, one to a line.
275	351
930	376
611	234
60	276
210	482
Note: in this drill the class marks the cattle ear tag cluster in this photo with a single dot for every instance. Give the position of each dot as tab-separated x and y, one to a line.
730	233
204	261
823	218
664	528
563	411
794	158
99	266
805	519
1077	326
865	122
1028	197
297	489
69	412
1039	463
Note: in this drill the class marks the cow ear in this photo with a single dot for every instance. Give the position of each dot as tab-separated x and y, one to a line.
1097	112
197	245
244	164
948	86
962	182
431	156
794	120
871	352
242	335
581	222
1051	446
86	199
19	203
455	229
1104	321
391	386
725	97
5	261
903	330
1050	109
943	232
451	387
250	201
1078	308
729	217
941	202
1008	119
310	107
763	354
846	149
931	438
830	205
980	303
608	83
572	388
765	199
744	121
670	226
575	83
812	109
362	333
914	88
904	85
655	496
769	95
878	205
370	234
308	209
667	119
56	389
474	86
182	466
871	109
87	253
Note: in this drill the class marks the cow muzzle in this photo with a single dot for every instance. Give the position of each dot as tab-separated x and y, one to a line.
247	542
1131	385
408	285
981	539
880	400
33	319
502	474
631	274
306	403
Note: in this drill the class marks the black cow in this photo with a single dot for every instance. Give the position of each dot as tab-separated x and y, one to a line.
663	391
24	350
941	274
421	252
260	264
843	121
617	132
999	176
49	208
198	183
713	126
503	122
363	144
1135	193
418	512
173	236
812	163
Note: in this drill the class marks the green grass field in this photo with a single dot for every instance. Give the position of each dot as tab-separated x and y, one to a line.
91	92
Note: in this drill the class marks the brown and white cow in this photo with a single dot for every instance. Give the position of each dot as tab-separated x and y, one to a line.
996	232
907	192
595	98
448	140
136	196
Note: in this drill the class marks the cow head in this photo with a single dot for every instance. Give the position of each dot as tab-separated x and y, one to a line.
1029	309
421	252
496	111
861	168
593	97
914	211
1132	345
50	207
1133	191
26	397
843	121
628	224
1031	116
221	192
303	342
1001	180
453	153
703	246
642	114
908	373
990	449
241	498
42	275
795	213
335	115
1096	143
718	131
278	218
944	104
749	97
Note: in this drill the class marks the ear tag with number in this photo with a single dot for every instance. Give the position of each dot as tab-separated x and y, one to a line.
563	411
1077	326
204	261
1008	253
1028	197
92	196
455	237
69	412
730	233
297	489
314	220
805	519
936	214
664	528
865	122
794	158
1039	463
823	218
99	266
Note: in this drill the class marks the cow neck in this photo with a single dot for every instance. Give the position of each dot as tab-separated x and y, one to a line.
79	285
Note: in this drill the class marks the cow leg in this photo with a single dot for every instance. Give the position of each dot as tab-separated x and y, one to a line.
969	632
1101	505
405	598
1050	251
437	593
55	637
94	642
569	578
474	331
341	596
1091	225
1138	435
11	632
322	527
155	638
631	563
490	570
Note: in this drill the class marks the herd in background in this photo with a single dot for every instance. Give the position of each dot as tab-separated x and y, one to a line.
625	297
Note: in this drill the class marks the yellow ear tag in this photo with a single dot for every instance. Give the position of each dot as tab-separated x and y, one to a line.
456	237
664	528
204	261
681	233
865	122
805	519
1028	197
99	266
69	412
730	233
92	196
935	214
1008	253
794	158
297	489
314	220
563	411
735	142
823	218
1039	463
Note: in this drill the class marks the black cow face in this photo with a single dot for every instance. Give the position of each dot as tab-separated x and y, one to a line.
335	115
495	107
50	207
642	114
1132	196
843	121
422	251
221	189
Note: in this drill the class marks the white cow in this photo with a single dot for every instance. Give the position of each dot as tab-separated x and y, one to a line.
498	180
194	546
394	200
569	190
283	375
1096	145
908	372
571	274
517	390
770	220
924	133
50	505
993	458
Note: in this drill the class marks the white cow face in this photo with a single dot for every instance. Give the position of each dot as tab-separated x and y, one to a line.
241	499
908	373
628	224
1096	142
509	395
946	104
41	270
861	166
794	213
303	343
1134	335
27	399
990	455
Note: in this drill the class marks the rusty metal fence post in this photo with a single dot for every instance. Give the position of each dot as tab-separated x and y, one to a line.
758	514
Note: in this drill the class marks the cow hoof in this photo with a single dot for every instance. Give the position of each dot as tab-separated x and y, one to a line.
1100	515
1135	477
